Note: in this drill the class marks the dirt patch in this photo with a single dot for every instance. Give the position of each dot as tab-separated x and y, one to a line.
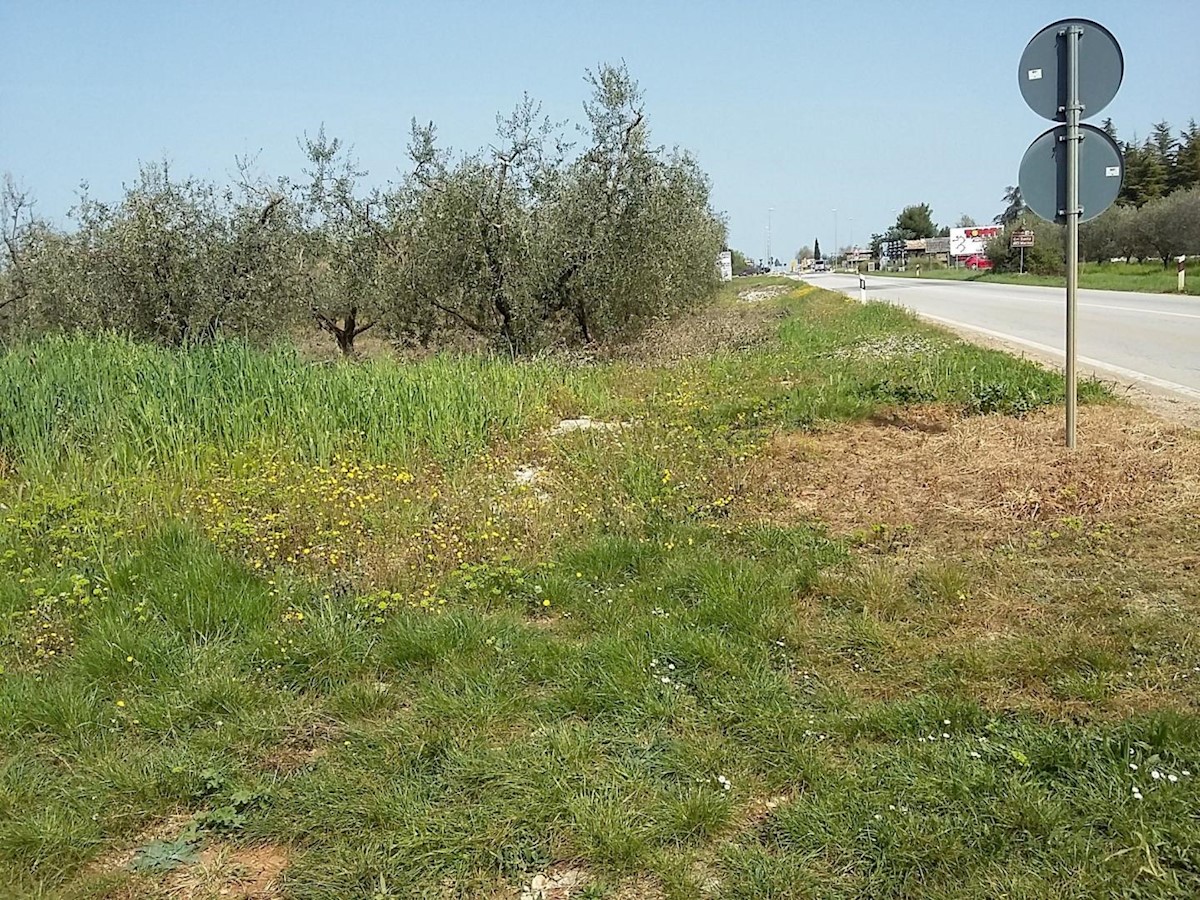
584	423
762	808
218	872
302	747
228	873
638	888
119	860
982	479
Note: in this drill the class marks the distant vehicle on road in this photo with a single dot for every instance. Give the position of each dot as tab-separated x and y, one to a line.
820	266
978	263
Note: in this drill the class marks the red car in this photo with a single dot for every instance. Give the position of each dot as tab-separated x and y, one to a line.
978	262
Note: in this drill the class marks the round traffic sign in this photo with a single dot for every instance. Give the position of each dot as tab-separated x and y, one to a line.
1043	71
1043	177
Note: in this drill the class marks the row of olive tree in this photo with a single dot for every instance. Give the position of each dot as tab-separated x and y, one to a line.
1162	230
528	242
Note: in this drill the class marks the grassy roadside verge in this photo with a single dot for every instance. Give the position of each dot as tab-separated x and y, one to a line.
815	612
1150	278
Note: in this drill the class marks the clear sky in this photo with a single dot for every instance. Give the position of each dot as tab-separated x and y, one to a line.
796	106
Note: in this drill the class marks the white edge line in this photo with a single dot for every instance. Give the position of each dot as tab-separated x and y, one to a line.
1134	309
1131	374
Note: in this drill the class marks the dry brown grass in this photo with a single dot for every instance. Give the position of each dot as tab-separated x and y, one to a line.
976	481
711	329
989	547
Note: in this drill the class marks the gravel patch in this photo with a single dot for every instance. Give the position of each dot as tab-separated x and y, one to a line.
584	423
758	295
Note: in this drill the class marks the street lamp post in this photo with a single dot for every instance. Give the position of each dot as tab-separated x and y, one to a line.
835	243
770	209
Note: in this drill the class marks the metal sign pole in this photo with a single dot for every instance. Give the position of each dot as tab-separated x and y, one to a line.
1073	110
1074	183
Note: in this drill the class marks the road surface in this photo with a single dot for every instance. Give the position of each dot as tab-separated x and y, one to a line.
1151	339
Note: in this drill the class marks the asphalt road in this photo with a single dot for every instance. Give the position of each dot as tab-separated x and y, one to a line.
1152	339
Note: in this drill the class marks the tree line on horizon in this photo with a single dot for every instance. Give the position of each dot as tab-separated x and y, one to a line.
1156	214
530	242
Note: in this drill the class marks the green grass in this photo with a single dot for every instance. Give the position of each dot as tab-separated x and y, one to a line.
1150	278
478	683
130	407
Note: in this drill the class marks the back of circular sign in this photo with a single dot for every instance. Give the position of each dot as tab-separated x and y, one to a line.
1043	71
1043	176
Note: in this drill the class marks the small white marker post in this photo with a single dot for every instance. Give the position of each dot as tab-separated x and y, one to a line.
1181	270
862	287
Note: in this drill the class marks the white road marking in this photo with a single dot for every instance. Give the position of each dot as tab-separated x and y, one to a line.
1131	374
1133	309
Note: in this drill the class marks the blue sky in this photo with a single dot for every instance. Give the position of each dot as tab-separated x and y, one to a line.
800	107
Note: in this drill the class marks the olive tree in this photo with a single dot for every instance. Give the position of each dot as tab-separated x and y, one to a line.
471	230
17	233
344	260
632	234
528	241
1170	226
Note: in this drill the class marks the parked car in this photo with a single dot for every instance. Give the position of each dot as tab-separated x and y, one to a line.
978	263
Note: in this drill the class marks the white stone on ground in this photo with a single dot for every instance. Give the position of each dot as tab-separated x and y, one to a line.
527	474
583	423
556	886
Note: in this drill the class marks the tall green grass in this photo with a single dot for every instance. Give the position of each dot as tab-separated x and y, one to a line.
132	407
102	407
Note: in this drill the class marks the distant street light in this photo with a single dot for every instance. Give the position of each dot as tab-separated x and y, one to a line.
835	243
770	209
